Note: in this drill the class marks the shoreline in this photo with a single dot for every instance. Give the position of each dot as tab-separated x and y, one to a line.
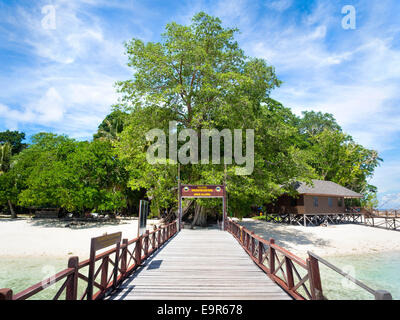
46	238
51	238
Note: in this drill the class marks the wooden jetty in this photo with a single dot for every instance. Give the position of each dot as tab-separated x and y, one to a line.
200	264
206	264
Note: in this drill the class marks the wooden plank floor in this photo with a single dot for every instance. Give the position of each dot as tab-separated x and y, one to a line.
200	264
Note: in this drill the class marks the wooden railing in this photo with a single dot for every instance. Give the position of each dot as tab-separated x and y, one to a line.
125	258
299	278
378	294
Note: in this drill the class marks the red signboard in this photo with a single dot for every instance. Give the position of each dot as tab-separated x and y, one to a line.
206	191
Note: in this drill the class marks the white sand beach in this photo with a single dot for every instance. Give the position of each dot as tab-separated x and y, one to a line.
26	237
334	240
37	237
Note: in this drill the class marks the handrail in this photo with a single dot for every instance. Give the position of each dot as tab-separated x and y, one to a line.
378	294
128	262
278	263
266	255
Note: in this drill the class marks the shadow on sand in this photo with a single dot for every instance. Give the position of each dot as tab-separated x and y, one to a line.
286	236
73	224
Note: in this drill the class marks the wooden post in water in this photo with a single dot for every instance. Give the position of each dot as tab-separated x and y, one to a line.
72	284
6	294
315	278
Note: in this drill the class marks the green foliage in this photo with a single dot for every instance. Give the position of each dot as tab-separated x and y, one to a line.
200	78
5	157
335	156
14	138
56	171
111	126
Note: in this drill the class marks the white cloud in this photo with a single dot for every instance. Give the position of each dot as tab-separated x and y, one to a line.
68	85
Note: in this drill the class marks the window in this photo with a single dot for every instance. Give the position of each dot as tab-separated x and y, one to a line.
330	202
339	202
315	201
293	202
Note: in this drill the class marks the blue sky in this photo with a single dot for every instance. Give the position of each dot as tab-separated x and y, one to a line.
62	80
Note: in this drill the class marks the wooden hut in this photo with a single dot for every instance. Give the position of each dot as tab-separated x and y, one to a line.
323	198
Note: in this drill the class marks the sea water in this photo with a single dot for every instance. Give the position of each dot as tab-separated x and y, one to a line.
20	273
379	271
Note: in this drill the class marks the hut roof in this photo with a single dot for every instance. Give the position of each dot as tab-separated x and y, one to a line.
325	188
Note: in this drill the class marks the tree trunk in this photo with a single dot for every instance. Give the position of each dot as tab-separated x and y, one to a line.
200	216
186	207
13	214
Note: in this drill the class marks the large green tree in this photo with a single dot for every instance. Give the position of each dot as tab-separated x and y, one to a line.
199	77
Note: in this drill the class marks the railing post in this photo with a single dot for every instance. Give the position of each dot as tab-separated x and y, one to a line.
72	285
271	256
260	252
6	294
104	273
124	257
159	238
241	234
289	273
382	295
116	263
146	243
252	244
138	251
315	278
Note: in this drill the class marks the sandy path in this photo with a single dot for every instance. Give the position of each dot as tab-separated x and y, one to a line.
334	240
52	238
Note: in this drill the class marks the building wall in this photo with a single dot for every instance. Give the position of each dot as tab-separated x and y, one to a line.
304	204
287	204
323	205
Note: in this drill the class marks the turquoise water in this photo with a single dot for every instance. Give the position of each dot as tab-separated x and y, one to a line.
21	273
378	271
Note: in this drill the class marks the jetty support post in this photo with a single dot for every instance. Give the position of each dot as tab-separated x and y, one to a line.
72	284
6	294
315	278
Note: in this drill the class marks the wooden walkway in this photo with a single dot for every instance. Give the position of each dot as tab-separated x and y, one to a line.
200	264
